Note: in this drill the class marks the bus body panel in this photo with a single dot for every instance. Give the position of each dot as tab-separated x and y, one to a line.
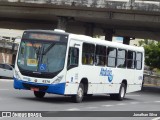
72	81
133	88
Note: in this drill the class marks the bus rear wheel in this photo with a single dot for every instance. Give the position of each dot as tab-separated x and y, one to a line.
120	96
80	93
39	94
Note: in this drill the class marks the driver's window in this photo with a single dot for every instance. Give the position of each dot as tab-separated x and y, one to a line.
73	57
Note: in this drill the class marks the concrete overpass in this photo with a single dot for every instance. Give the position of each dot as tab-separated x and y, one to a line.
127	18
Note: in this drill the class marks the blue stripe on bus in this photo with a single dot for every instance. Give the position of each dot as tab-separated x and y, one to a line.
52	88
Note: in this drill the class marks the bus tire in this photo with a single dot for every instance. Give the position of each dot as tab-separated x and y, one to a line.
80	93
39	94
120	96
122	91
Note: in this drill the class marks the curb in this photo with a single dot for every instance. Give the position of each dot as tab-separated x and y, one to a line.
152	85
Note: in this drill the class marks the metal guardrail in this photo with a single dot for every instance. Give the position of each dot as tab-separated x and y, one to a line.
144	5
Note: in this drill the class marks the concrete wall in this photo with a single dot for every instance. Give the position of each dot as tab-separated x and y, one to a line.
152	80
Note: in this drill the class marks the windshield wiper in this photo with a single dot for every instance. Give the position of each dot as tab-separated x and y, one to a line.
49	47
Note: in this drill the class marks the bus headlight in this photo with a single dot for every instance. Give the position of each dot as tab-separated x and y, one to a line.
16	75
58	79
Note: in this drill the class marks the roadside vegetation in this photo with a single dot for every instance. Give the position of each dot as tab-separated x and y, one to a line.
152	54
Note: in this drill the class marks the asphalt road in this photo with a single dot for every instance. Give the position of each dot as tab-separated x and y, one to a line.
22	100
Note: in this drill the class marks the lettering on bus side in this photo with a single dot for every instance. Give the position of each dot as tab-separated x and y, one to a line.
108	73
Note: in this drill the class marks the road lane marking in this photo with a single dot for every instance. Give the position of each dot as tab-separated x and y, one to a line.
91	107
158	118
73	109
121	104
107	105
134	102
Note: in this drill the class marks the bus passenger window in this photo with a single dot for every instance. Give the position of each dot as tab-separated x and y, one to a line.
111	54
100	55
139	61
121	58
88	54
131	59
84	59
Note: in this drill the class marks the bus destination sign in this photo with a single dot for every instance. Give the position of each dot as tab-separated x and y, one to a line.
44	37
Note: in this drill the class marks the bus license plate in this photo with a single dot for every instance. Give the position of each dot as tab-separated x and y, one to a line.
35	89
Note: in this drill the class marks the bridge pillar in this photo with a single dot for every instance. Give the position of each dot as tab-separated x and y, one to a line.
62	23
89	29
126	40
108	34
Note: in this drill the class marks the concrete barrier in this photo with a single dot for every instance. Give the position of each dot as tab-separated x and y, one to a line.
153	80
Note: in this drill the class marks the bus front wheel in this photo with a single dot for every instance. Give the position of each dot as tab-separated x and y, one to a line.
80	93
39	94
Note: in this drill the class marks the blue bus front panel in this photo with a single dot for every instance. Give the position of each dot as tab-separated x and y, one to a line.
48	88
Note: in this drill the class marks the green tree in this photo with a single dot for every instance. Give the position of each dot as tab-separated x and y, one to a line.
152	53
144	42
141	43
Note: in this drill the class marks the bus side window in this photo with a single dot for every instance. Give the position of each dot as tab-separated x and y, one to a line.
111	57
131	59
88	51
100	58
121	58
84	59
139	56
73	57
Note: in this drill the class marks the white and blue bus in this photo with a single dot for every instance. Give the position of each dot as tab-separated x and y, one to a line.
74	65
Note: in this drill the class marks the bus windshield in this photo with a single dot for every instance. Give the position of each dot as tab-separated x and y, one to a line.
42	57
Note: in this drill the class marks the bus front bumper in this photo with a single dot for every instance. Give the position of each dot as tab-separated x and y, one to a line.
48	88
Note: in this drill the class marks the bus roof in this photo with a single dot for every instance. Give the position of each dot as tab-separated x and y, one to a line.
89	39
48	31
